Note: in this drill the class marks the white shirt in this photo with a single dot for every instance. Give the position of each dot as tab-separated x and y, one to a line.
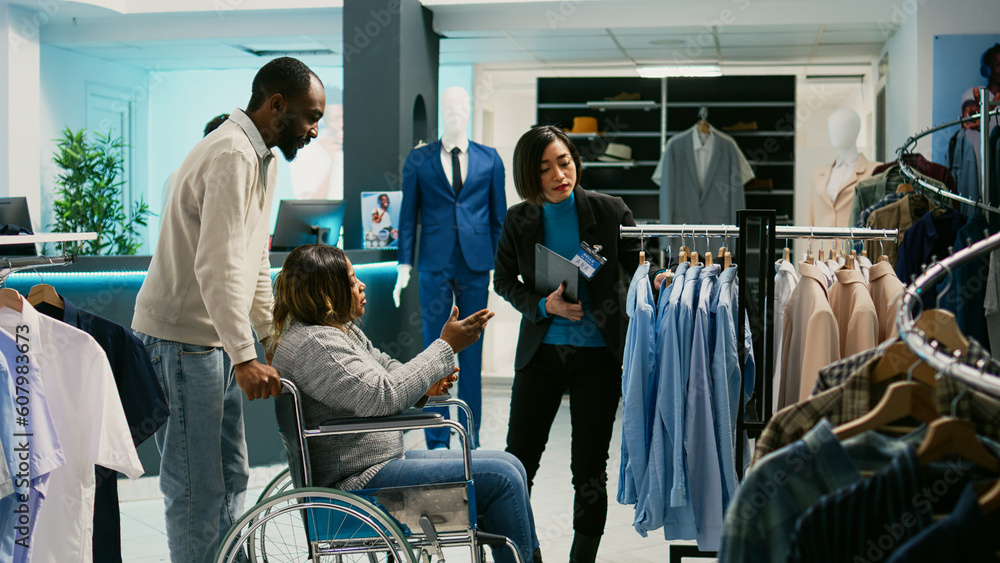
89	419
785	280
703	146
841	172
463	159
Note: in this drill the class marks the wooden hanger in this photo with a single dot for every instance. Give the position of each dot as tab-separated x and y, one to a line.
849	264
708	259
903	399
10	298
682	255
940	325
950	435
45	293
703	121
894	362
727	260
904	188
788	254
722	251
695	258
989	502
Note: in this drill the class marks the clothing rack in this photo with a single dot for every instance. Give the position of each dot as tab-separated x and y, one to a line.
984	172
11	265
756	232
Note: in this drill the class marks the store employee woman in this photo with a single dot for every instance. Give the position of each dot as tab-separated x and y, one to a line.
566	346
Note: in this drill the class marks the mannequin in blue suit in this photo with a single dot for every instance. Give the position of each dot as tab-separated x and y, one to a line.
458	237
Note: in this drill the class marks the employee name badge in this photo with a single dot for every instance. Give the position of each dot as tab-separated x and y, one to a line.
588	259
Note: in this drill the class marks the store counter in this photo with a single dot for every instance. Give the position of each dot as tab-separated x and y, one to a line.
108	285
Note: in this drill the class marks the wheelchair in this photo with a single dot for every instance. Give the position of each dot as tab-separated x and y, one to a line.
296	522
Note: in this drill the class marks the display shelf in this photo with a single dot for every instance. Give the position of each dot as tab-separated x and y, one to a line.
45	238
744	133
636	104
771	162
730	104
613	136
769	192
652	193
629	164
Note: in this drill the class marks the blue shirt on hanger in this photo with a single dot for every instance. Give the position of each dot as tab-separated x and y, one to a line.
638	369
677	378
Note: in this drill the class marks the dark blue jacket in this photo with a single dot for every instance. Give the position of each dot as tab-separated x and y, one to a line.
474	217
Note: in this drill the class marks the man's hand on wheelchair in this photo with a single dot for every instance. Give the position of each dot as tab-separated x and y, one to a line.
257	380
443	385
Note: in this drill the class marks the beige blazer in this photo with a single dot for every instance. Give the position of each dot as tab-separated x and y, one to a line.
837	213
810	337
887	293
855	312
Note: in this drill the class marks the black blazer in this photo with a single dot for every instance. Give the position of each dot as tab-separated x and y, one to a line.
599	216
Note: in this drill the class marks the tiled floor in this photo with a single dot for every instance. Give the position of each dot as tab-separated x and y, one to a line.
145	541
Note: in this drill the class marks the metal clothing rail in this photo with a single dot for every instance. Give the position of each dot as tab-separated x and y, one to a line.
9	266
653	230
917	341
984	139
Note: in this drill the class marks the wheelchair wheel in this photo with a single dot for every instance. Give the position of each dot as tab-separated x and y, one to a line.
318	526
280	483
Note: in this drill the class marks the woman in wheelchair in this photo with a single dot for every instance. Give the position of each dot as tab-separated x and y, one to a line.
340	374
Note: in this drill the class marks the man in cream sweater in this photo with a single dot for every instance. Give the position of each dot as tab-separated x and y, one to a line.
208	291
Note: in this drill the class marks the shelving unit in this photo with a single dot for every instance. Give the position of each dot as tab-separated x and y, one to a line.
667	107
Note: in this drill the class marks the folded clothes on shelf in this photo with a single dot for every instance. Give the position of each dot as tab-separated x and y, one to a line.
759	184
741	126
624	97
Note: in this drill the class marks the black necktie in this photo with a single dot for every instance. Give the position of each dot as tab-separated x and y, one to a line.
456	171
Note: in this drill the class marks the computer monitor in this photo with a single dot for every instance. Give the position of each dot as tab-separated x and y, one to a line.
14	212
307	221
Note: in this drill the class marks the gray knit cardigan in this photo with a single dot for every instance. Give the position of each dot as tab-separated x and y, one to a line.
340	374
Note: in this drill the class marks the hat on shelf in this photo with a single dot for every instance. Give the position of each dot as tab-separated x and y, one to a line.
616	152
584	124
624	97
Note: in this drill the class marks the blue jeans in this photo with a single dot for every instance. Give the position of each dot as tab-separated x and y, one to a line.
203	451
501	490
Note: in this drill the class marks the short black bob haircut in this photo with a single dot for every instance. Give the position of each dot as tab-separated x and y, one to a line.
528	161
284	75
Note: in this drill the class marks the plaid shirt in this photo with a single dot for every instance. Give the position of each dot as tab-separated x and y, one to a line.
856	396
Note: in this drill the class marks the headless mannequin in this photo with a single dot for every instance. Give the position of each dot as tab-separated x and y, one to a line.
454	188
834	185
455	110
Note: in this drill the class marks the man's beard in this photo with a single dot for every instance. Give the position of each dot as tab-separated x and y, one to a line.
288	143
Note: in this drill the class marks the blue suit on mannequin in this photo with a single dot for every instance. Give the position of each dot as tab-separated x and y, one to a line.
458	238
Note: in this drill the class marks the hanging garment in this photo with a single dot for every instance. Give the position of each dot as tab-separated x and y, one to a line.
963	535
887	177
900	500
931	236
653	508
681	198
726	373
964	165
678	373
46	449
785	280
991	301
993	191
92	429
887	293
811	337
637	373
966	296
855	312
889	198
142	399
857	395
783	485
746	171
900	215
701	441
824	212
865	265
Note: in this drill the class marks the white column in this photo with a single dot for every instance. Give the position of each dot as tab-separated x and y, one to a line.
20	94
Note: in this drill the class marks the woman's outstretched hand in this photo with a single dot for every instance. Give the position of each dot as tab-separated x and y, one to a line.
460	334
442	385
556	305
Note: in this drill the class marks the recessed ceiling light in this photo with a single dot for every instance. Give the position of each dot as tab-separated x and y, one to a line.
287	52
662	71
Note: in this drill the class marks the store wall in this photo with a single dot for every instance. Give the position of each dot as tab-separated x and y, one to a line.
67	80
911	54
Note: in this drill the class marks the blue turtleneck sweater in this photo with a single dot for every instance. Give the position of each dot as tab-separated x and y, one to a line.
561	226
